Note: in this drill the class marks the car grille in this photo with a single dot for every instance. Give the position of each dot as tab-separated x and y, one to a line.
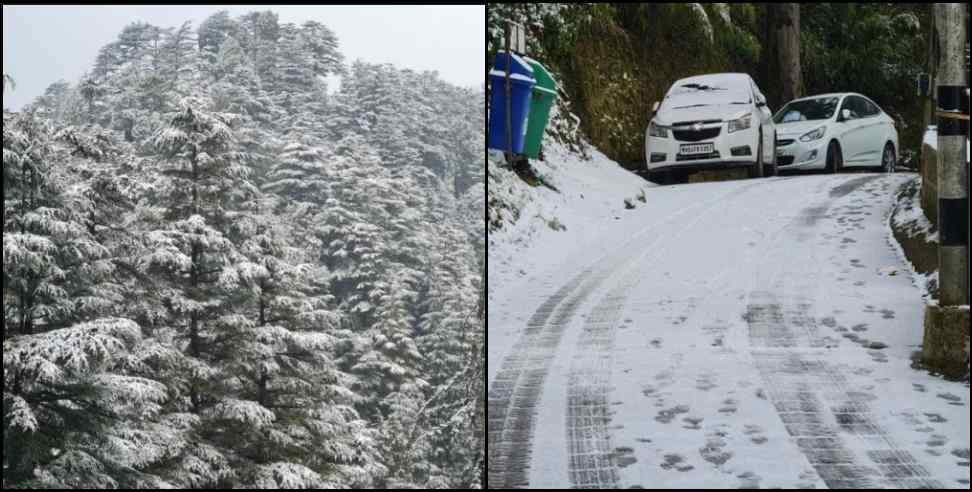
697	157
784	160
690	123
696	136
785	142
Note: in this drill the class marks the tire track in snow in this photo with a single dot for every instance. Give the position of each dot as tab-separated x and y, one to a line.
591	460
515	392
812	397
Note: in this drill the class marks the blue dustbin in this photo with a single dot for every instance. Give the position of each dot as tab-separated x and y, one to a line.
521	82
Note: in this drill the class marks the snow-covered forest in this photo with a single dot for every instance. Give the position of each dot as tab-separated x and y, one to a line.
219	273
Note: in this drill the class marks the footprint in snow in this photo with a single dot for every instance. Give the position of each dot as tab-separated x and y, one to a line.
693	423
624	457
749	480
937	441
714	452
677	462
950	397
731	406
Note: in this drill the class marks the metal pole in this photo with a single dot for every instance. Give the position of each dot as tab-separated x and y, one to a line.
953	193
509	99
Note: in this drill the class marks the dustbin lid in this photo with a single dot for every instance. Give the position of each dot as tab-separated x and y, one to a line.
516	77
519	65
544	90
544	79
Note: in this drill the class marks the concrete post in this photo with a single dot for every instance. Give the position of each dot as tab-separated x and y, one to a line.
953	193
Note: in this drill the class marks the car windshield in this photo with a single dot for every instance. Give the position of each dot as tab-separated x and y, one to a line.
697	94
807	110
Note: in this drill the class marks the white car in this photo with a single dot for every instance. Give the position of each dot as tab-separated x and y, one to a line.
710	122
833	132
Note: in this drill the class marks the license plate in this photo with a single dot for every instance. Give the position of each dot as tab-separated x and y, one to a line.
692	149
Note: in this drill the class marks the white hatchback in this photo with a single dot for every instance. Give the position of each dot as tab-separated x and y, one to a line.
833	132
709	122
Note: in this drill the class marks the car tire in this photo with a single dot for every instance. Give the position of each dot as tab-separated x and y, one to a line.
834	158
659	177
888	159
772	170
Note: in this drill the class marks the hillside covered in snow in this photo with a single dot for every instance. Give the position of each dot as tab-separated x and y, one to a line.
219	274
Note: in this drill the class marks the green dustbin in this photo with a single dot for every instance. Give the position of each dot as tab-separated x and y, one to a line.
544	95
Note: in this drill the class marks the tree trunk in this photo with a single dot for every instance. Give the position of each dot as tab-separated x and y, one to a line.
786	35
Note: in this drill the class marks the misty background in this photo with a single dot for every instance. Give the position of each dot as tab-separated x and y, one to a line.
43	44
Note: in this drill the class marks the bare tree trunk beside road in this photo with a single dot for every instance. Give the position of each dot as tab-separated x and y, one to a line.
786	33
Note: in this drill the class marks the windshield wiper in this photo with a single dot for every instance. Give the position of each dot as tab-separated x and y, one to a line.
692	106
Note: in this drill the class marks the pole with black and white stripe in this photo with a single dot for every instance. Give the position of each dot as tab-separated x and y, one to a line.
953	130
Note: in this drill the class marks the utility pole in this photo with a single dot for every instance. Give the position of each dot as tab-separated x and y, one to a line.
953	193
946	344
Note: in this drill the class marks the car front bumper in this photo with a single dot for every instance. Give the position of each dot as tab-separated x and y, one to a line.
664	153
801	155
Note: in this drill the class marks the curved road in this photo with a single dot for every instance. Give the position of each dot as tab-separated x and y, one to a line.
749	334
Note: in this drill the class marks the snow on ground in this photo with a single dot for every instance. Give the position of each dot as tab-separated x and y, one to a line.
753	333
910	217
907	216
591	195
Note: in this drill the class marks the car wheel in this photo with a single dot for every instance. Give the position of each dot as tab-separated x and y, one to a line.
834	158
772	170
659	177
888	160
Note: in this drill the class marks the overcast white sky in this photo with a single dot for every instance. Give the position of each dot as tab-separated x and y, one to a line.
42	44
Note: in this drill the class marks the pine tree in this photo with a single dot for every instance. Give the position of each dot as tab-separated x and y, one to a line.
186	253
63	390
55	269
278	281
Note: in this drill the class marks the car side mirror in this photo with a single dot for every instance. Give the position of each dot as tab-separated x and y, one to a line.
760	104
845	115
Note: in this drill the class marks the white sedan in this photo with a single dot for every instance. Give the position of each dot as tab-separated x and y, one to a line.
833	132
710	121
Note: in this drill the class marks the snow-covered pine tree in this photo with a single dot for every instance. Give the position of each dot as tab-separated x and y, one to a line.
55	269
322	45
259	34
200	178
213	32
343	379
63	392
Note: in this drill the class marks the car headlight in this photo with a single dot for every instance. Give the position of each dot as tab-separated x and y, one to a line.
814	135
657	130
741	124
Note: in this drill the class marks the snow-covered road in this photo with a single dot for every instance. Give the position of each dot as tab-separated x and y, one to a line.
753	333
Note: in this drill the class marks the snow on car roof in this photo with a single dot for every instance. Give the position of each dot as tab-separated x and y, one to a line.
727	80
